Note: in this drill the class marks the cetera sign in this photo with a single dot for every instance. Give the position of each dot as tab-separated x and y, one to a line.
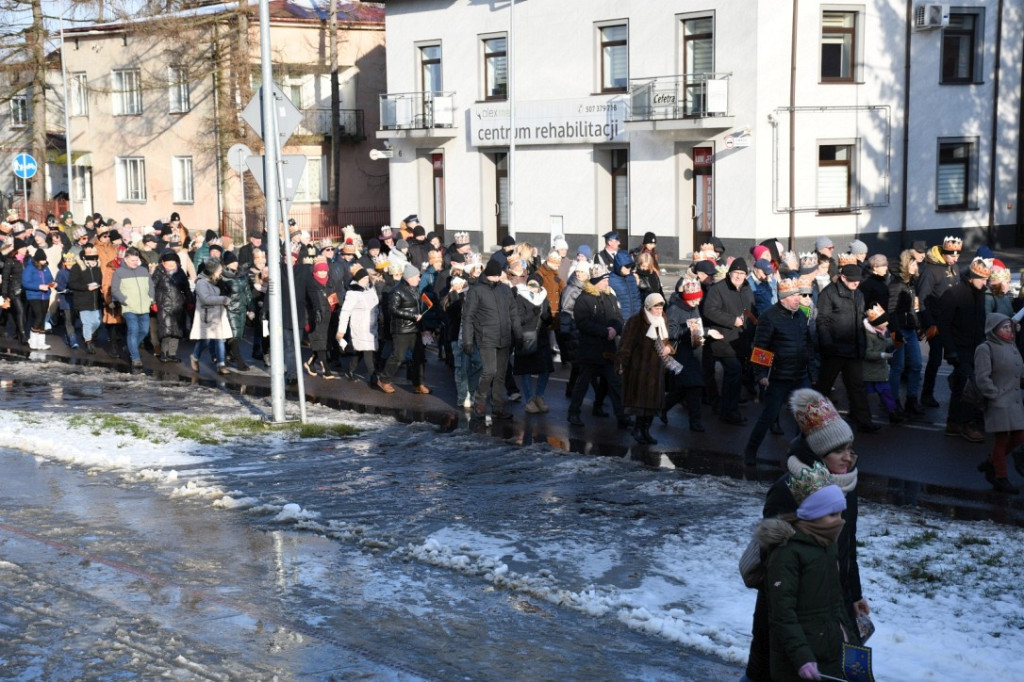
592	120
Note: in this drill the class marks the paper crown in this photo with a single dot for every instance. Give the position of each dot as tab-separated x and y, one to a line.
598	271
788	286
380	261
952	243
876	314
808	258
847	259
981	268
325	243
691	285
999	275
385	232
473	260
806	284
809	481
461	238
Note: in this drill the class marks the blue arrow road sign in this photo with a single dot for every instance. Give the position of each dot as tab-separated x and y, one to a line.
24	166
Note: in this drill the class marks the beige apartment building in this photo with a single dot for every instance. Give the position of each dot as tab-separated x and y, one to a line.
155	105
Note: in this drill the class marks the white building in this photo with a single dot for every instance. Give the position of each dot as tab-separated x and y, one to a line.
745	119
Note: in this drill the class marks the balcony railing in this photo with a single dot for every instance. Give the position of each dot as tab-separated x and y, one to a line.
317	121
695	95
417	110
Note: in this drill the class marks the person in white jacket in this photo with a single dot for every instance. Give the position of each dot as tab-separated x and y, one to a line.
358	316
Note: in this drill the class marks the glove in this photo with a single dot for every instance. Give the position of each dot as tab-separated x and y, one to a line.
809	671
152	307
885	356
468	350
308	328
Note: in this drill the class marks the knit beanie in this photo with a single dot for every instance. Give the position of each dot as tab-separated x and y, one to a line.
410	271
492	269
819	422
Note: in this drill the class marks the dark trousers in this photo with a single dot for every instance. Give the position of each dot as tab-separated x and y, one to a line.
612	380
773	399
852	370
494	364
931	369
707	367
367	357
401	345
729	402
960	412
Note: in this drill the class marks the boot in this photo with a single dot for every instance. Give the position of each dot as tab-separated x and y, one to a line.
989	470
1002	485
32	341
928	400
647	430
40	341
72	341
638	432
912	407
324	372
236	353
896	417
89	348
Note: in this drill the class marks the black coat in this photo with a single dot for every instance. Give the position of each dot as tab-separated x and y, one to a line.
962	320
840	321
901	305
534	316
875	289
933	281
404	307
318	315
786	333
594	312
677	316
78	282
489	318
303	276
172	295
11	285
722	305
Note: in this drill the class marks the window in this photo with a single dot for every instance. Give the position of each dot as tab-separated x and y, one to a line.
130	172
79	94
955	178
22	186
614	58
437	170
961	44
698	62
495	68
838	39
181	172
310	187
430	68
177	89
620	193
19	111
127	92
835	177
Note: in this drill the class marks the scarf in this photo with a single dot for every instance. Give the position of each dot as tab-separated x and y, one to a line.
657	331
823	530
846	482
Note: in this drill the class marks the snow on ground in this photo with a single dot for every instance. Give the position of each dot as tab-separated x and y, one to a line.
947	597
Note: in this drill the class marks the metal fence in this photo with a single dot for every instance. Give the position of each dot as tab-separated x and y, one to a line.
37	210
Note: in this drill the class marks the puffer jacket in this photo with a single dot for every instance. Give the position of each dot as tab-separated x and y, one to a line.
840	313
901	305
722	305
785	333
11	286
32	278
933	281
130	288
172	295
239	291
404	307
78	282
678	315
961	319
489	318
876	368
594	312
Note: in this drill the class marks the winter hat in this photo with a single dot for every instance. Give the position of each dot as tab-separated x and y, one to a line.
738	265
151	238
980	268
582	266
419	231
458	259
358	273
409	271
823	243
827	500
760	251
690	286
39	255
175	216
373	243
349	247
79	233
229	257
852	273
535	278
857	247
653	300
584	251
507	241
401	244
19	243
560	243
211	235
554	258
819	422
649	238
598	272
170	255
788	286
705	266
211	266
492	269
876	315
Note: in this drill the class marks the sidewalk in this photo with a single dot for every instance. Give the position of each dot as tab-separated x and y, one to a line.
909	464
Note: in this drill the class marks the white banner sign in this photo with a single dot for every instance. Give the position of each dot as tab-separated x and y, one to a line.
565	121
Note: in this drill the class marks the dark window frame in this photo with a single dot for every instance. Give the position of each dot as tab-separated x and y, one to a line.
947	148
951	36
490	56
605	44
833	31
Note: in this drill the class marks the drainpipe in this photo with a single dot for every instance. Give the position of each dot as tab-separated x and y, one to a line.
995	128
216	131
792	130
908	32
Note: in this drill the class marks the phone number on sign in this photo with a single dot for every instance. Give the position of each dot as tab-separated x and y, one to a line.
598	108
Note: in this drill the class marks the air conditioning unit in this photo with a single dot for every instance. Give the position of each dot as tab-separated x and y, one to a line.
930	17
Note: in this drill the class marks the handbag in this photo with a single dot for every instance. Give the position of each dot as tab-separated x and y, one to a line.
751	566
528	343
972	396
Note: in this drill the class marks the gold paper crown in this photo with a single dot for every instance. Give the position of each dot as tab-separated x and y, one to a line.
875	312
952	243
810	481
981	267
847	259
806	284
380	261
788	286
999	275
461	238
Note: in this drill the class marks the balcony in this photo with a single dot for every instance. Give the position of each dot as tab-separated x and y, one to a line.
417	114
317	122
697	103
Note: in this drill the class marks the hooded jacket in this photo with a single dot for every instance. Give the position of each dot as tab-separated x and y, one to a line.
998	372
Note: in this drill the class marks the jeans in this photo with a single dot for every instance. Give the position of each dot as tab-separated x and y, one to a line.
138	328
494	363
542	386
467	371
215	346
774	398
909	355
90	323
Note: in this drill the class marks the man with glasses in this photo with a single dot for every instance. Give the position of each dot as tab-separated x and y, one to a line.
939	272
783	332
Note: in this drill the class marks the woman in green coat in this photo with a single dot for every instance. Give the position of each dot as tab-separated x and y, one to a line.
809	622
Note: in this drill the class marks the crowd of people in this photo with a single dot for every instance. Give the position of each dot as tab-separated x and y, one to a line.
776	321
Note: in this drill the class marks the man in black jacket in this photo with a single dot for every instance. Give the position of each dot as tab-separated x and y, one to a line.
406	311
599	322
841	342
727	312
782	330
962	329
938	273
490	324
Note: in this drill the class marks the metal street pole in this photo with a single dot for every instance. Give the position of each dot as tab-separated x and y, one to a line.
67	116
509	69
270	188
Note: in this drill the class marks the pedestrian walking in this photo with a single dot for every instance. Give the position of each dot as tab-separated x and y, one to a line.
172	296
130	288
358	319
533	354
490	324
210	325
644	356
999	375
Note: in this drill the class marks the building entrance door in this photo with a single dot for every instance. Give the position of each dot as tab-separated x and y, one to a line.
501	195
703	196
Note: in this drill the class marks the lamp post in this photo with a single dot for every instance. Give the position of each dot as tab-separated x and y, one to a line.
67	115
